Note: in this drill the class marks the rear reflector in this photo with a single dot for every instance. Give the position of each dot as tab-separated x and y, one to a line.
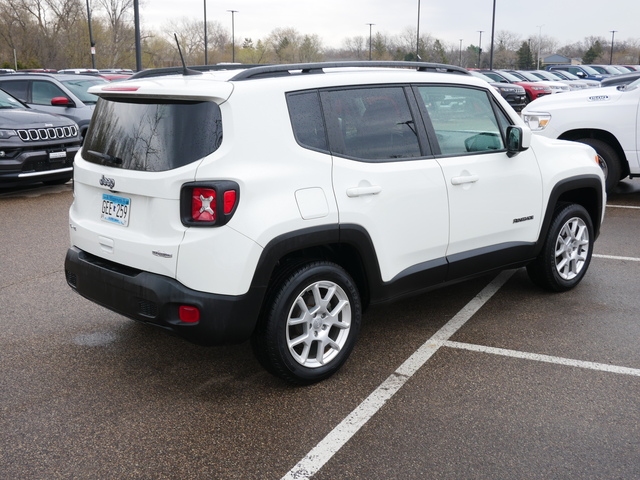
189	314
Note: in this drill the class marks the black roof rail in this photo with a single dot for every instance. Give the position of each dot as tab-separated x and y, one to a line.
313	68
158	72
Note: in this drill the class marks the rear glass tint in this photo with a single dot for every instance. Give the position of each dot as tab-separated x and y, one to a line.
152	136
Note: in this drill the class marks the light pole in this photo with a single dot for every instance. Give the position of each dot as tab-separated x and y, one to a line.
480	49
539	43
93	44
418	35
233	36
461	52
613	32
370	25
206	48
493	31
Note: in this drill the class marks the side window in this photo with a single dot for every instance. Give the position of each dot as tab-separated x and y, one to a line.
306	120
370	123
17	88
463	119
43	92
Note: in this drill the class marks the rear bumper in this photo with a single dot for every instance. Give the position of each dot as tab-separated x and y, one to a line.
155	299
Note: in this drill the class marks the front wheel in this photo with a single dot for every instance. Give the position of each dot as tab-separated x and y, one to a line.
567	250
310	323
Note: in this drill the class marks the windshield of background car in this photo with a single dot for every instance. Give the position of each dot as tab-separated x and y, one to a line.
79	88
589	70
7	101
511	78
152	136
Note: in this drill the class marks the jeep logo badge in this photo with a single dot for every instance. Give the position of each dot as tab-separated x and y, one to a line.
107	182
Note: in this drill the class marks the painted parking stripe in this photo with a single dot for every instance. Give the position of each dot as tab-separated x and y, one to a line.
633	207
603	367
346	429
613	257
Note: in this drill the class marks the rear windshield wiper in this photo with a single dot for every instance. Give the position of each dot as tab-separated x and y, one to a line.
106	157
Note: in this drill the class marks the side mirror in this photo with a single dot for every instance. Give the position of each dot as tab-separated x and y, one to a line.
60	101
518	140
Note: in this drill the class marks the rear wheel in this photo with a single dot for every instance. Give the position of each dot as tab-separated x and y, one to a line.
567	250
609	160
310	324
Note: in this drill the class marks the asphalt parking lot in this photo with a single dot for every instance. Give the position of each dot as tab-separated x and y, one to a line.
488	379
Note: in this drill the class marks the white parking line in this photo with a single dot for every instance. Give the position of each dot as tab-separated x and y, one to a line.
623	206
613	257
603	367
341	434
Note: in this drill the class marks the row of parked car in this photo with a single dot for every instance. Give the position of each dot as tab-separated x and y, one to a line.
65	93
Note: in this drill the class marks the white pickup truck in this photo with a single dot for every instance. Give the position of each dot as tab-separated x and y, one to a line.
608	119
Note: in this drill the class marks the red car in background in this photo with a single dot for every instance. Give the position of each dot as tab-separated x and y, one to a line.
534	89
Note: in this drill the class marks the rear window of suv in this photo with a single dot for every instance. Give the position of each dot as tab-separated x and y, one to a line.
152	136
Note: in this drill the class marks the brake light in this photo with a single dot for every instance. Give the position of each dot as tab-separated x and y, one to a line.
208	204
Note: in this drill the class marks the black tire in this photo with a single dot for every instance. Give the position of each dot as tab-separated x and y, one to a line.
567	250
310	323
612	167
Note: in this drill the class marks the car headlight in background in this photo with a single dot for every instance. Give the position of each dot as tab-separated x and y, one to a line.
537	121
6	134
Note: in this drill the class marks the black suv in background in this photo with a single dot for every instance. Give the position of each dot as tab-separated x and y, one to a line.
55	93
34	146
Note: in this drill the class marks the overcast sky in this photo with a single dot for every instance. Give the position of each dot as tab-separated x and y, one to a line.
567	21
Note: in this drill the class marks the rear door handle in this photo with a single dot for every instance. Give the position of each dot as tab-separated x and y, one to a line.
464	179
360	191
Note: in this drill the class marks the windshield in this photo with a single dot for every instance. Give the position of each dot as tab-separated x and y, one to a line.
589	70
7	101
510	77
153	136
79	88
530	77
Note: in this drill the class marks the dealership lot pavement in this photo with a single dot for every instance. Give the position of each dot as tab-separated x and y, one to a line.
488	379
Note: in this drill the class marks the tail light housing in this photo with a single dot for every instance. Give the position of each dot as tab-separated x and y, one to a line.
208	204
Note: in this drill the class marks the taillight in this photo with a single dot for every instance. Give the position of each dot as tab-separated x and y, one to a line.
208	204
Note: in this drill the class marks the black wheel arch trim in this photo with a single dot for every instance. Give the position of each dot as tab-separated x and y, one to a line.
586	190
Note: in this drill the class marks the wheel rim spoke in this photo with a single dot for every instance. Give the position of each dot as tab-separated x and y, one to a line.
318	324
572	248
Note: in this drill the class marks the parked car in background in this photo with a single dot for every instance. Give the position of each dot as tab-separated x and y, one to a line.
606	69
624	79
555	85
514	94
606	119
56	93
533	90
550	77
34	146
564	75
580	71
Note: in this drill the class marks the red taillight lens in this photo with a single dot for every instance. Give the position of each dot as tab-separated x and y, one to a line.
208	204
189	314
203	205
229	201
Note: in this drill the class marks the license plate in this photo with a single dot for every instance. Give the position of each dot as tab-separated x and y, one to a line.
115	209
57	155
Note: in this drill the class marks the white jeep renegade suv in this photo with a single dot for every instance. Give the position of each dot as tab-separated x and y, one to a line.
276	202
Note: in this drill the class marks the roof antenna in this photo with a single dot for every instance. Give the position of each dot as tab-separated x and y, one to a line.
185	70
